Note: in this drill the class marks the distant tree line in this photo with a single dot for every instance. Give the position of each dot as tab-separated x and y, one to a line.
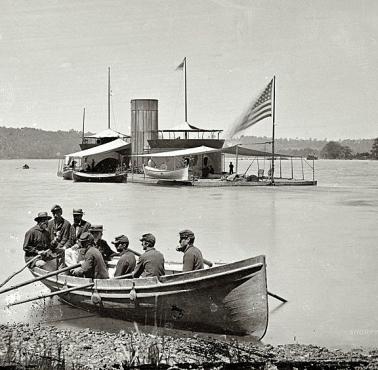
343	149
35	143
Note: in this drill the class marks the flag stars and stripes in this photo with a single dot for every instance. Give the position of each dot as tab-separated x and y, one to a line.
260	109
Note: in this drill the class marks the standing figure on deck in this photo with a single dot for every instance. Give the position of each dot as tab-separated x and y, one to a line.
192	259
231	167
99	243
126	263
37	240
93	266
59	229
151	262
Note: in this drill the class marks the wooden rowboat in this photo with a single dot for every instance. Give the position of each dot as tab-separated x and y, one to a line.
179	174
99	177
228	299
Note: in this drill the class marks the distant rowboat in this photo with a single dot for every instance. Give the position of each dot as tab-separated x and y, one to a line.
229	299
179	174
99	177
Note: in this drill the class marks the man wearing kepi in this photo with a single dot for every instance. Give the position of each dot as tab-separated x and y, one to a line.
59	229
37	240
192	259
101	244
151	262
93	265
126	263
79	225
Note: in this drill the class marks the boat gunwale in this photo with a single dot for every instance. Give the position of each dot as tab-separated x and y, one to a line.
158	285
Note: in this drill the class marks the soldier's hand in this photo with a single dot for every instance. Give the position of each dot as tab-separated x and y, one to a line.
76	272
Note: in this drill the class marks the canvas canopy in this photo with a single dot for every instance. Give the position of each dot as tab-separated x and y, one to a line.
205	149
112	146
250	152
107	133
182	152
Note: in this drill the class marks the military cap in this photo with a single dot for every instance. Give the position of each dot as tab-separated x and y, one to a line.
42	216
77	211
121	239
96	228
86	238
148	238
56	207
186	234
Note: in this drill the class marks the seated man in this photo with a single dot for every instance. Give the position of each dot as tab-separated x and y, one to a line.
192	259
79	225
126	263
38	242
151	262
93	266
101	244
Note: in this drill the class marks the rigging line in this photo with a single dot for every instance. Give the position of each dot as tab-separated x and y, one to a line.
112	109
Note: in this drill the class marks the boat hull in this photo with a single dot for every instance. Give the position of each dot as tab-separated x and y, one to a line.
99	177
227	299
180	174
67	174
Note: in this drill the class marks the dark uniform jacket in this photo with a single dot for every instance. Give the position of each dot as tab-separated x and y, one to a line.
151	263
126	263
36	239
192	259
94	266
77	230
60	232
104	248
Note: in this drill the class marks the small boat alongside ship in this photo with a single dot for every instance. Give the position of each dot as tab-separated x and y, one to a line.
99	177
228	299
178	174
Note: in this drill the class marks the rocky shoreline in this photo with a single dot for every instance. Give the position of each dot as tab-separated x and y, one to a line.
41	346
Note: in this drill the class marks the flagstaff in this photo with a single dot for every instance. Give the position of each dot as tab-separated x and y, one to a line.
273	119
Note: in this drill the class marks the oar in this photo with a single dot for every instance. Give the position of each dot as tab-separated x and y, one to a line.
51	294
126	276
17	272
277	297
53	273
206	262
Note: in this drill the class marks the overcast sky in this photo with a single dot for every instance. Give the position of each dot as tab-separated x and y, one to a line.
55	55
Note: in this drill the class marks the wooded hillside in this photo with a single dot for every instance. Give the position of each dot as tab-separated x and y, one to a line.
34	143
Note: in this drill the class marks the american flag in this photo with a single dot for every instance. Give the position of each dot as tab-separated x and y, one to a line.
260	108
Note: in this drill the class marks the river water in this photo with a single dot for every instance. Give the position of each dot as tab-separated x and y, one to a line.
320	242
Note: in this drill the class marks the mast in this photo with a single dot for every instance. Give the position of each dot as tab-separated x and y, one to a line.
108	97
186	98
82	137
273	118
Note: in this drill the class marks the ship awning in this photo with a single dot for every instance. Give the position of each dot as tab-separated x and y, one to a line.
182	152
112	146
108	133
250	152
205	149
